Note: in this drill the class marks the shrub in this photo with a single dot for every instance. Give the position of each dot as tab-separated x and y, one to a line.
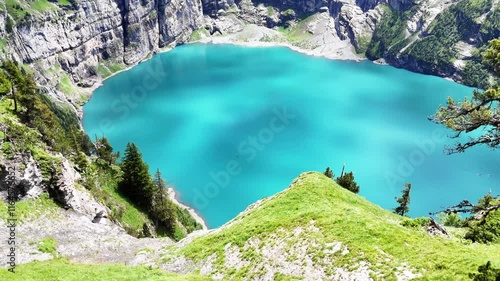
486	273
452	219
9	25
416	222
485	231
347	182
185	218
328	172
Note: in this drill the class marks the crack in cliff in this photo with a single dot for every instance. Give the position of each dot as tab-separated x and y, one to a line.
122	6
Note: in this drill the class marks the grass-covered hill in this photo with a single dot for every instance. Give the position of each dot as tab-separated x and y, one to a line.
321	231
313	230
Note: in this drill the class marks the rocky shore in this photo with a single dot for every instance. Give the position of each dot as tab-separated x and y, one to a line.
174	196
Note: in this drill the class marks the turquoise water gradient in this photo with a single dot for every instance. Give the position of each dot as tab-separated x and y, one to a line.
230	125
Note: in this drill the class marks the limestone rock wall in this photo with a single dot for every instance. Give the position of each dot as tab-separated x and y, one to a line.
118	31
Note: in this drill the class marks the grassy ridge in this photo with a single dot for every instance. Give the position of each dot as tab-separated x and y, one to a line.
370	233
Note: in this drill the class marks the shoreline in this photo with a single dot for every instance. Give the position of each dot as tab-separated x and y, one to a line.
174	196
330	54
308	52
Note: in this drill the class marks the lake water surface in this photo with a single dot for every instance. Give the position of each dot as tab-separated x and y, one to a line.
230	125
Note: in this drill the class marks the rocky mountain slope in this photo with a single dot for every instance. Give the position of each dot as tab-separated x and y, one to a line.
341	236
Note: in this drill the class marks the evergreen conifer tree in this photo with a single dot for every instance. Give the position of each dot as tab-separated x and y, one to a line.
328	172
404	201
346	180
136	182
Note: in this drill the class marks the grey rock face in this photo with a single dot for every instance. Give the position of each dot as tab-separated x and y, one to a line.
115	31
303	7
140	29
81	241
24	179
177	19
16	179
66	192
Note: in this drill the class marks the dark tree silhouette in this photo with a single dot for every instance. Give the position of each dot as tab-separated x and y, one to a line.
136	182
347	181
163	209
404	201
104	150
486	273
328	172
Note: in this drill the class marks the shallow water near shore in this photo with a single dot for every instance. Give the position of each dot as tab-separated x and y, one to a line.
229	125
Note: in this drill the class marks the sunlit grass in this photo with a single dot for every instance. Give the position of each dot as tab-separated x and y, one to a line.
62	270
370	232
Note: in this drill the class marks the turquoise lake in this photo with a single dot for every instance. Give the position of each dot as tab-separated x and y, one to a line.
229	125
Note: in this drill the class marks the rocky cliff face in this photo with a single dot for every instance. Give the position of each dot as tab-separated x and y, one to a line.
83	38
90	38
428	36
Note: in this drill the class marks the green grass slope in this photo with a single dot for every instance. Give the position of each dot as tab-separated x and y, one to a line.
317	225
61	270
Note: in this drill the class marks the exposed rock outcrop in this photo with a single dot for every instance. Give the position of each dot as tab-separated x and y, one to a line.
22	177
81	241
66	192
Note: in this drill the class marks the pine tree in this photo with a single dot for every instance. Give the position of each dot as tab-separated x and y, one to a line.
158	181
163	209
328	172
475	115
347	181
164	212
404	201
104	150
136	182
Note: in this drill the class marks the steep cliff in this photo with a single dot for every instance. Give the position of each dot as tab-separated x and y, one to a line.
89	38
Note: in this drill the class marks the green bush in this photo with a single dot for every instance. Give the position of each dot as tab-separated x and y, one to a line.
452	219
416	222
475	74
486	230
486	273
185	218
9	25
5	84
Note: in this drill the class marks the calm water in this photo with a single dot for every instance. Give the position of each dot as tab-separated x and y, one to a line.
229	125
